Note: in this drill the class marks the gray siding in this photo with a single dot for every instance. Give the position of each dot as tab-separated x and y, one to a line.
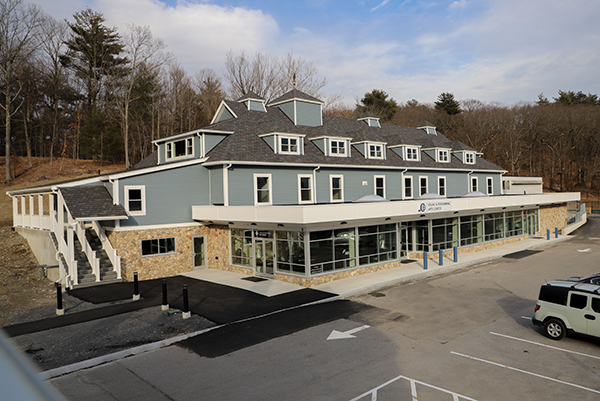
216	185
210	141
270	140
321	144
288	110
284	184
309	114
170	195
256	106
225	115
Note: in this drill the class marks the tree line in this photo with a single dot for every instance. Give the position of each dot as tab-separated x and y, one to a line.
82	90
79	89
557	139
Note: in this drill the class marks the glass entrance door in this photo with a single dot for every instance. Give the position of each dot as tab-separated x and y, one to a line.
264	257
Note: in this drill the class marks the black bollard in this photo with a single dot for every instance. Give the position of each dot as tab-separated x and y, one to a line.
165	303
59	306
136	287
186	308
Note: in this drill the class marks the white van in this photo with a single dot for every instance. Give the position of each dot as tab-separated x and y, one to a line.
567	306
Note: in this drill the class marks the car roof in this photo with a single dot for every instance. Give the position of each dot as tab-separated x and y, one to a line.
584	287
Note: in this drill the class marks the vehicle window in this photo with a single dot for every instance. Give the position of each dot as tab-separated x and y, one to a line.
556	295
596	305
578	301
595	281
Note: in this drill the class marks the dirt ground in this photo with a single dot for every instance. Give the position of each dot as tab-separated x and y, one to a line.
22	285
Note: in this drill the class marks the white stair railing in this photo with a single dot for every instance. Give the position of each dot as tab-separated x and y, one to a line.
88	251
108	248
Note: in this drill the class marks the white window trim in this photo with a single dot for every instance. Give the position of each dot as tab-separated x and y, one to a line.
417	153
469	154
375	185
445	185
487	185
331	177
412	187
439	155
346	148
476	181
426	184
298	141
270	180
312	190
369	144
173	149
126	189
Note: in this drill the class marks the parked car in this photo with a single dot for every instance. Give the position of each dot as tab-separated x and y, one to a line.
568	306
593	279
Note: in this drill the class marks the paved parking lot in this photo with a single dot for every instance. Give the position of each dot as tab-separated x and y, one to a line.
461	335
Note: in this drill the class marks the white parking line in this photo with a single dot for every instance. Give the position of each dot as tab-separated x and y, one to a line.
526	317
413	390
544	345
526	372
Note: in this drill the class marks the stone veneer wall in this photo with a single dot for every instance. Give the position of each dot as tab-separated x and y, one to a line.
311	281
551	217
129	246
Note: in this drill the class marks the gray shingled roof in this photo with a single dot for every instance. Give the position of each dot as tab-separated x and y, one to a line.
245	145
91	202
250	95
295	94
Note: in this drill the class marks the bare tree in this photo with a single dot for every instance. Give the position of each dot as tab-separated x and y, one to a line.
56	80
144	53
210	94
270	78
19	27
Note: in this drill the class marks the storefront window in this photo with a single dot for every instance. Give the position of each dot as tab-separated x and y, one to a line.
444	233
377	244
332	250
471	230
422	236
290	252
514	224
241	247
494	226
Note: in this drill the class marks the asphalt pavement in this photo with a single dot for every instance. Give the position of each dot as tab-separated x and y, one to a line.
114	326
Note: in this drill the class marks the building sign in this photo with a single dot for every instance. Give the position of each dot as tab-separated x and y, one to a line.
435	206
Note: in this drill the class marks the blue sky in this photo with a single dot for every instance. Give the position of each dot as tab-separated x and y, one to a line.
503	51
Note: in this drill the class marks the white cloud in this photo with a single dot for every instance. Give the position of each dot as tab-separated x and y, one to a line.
383	3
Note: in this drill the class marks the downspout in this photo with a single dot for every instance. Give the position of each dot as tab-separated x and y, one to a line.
469	180
315	182
226	184
116	195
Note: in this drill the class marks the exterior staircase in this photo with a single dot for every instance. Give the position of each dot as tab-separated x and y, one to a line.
85	276
107	270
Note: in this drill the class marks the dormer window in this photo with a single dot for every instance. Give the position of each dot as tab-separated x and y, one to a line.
179	149
412	153
285	143
443	156
337	148
375	151
289	145
469	158
430	130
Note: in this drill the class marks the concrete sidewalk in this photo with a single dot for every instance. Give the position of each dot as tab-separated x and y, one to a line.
369	282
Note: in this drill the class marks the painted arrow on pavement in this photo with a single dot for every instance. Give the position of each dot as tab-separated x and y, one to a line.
338	335
584	250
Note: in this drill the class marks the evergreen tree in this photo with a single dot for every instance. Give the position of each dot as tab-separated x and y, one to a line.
377	103
448	104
